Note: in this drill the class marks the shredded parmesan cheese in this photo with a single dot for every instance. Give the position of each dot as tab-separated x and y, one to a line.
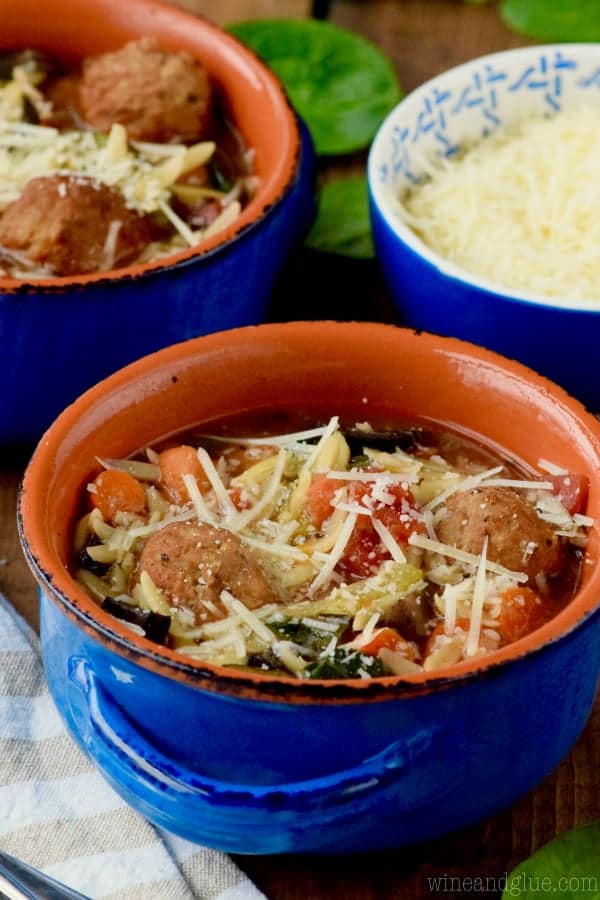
546	466
247	616
110	244
202	511
531	191
189	236
520	484
429	524
32	151
389	541
223	498
276	549
244	518
417	540
331	427
336	553
283	440
288	656
467	484
450	597
472	645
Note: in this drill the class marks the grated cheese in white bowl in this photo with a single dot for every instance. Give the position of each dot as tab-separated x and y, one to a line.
532	189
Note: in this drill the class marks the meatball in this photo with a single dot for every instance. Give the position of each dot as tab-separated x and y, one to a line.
156	95
66	224
517	538
192	564
63	95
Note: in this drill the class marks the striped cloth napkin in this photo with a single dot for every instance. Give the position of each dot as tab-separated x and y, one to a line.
59	815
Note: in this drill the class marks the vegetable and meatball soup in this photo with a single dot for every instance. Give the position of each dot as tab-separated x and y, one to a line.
331	552
128	158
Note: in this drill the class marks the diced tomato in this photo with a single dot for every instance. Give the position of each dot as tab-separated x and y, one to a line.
319	498
401	518
176	462
571	490
117	491
522	612
365	552
392	640
240	498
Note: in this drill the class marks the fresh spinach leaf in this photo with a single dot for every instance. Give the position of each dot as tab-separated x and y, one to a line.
342	225
554	20
568	867
340	83
346	663
314	639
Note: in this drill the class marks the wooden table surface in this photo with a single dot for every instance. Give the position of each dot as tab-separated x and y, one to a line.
422	37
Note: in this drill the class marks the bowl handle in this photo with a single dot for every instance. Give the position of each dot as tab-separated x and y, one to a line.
122	752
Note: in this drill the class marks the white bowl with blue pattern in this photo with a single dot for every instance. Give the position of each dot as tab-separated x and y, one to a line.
558	337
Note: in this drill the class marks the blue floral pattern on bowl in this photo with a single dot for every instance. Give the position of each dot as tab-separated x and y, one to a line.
479	97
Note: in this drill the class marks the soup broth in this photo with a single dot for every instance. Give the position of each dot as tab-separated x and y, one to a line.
330	549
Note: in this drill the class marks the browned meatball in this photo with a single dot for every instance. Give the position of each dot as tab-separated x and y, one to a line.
156	95
63	94
192	564
64	223
517	538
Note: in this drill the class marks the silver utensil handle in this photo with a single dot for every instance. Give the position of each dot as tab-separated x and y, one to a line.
18	881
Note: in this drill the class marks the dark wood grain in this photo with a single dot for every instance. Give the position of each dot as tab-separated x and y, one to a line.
224	11
422	37
425	37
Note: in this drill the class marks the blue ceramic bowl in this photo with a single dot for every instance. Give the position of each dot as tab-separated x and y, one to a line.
556	337
252	763
61	335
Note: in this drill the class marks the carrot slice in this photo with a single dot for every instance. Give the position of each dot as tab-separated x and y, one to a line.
117	491
390	639
176	462
522	612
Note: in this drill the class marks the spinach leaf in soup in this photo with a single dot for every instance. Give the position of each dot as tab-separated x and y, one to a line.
342	85
345	663
554	20
568	867
313	637
342	225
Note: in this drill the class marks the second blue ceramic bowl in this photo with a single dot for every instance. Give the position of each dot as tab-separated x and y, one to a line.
557	337
59	336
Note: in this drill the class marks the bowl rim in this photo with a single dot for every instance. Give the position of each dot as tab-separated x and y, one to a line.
63	590
269	194
383	200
